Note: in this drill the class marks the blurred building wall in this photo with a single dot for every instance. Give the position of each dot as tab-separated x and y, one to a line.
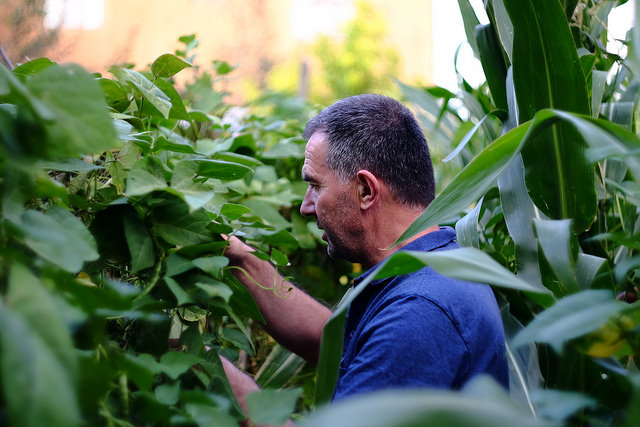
253	34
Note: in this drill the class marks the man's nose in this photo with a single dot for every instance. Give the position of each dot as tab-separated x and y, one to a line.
307	208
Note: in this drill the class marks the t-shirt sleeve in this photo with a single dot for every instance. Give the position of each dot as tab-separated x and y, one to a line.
409	343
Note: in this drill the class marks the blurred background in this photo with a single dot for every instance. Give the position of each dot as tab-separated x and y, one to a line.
319	49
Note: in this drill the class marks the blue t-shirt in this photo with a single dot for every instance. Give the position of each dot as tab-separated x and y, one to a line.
421	330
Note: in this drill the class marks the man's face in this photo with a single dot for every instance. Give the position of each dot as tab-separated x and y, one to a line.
334	205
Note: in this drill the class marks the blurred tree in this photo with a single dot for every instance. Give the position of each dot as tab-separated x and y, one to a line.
22	31
360	61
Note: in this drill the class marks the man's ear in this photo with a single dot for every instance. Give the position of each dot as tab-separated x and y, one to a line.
368	188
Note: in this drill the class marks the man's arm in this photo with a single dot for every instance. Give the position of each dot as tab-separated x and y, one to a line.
242	384
292	317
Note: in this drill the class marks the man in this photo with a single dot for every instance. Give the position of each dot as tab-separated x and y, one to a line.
370	176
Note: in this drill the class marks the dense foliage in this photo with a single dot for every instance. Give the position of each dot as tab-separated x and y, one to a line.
115	192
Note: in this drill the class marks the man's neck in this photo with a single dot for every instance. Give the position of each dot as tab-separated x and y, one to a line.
386	231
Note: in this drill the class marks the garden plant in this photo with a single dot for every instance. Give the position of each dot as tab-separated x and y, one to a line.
116	297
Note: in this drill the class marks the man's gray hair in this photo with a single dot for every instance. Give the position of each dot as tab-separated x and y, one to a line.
379	134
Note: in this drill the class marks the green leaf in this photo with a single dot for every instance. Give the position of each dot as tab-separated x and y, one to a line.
492	60
470	21
570	317
139	242
140	369
220	169
196	194
216	290
504	27
33	66
151	92
413	408
176	225
233	211
37	387
168	394
554	238
182	297
168	65
147	175
82	123
212	265
519	212
58	237
559	177
176	363
178	109
272	407
467	228
27	296
468	264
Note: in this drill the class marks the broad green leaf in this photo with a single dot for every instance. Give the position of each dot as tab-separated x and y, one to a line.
150	91
206	414
32	67
27	297
570	317
147	175
176	264
178	110
467	228
37	388
492	60
20	95
139	242
587	267
176	225
470	21
414	408
58	237
272	407
233	211
519	213
176	363
82	123
182	297
168	65
168	393
468	264
220	169
113	91
196	194
216	290
212	265
504	27
141	369
554	237
559	178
